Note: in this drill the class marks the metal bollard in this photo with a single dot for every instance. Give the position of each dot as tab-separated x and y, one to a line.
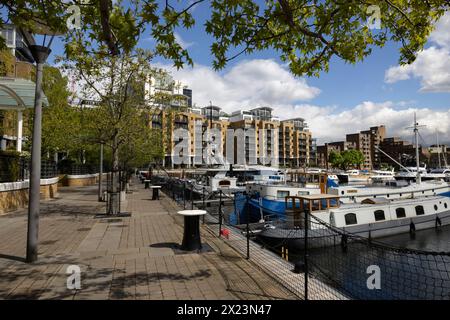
204	207
220	212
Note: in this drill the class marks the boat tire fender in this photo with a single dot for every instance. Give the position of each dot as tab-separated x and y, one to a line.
438	222
412	228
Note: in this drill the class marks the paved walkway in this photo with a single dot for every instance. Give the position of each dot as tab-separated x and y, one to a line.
122	258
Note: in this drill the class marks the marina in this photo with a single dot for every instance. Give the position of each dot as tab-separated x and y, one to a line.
232	158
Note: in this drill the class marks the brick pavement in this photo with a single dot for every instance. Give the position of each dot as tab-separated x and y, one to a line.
122	257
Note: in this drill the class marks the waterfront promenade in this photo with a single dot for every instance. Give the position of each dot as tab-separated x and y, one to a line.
122	257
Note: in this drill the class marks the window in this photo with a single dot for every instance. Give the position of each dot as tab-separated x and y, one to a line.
282	194
350	218
435	207
400	212
445	205
419	210
379	215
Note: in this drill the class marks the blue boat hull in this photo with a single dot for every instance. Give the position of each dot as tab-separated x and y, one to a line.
268	209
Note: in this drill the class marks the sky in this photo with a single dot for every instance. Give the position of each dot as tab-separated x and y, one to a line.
347	99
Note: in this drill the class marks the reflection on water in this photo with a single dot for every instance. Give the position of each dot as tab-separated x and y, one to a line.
427	240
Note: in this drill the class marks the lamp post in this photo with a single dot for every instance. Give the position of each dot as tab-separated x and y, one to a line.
100	175
40	54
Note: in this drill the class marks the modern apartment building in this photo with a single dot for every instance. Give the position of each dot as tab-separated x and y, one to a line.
377	135
264	135
260	128
164	92
16	66
362	142
401	151
295	143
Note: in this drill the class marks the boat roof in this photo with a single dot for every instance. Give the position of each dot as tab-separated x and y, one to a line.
319	196
418	200
375	200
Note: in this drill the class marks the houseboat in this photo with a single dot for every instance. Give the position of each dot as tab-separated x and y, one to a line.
371	218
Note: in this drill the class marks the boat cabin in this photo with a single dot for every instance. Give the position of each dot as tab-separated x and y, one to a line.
297	206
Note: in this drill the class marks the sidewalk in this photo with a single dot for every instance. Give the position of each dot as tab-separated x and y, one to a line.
122	258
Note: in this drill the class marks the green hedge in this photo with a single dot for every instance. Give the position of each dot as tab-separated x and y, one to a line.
9	166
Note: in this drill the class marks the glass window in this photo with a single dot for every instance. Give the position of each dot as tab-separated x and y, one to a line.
435	207
419	210
445	205
379	215
281	194
350	218
400	212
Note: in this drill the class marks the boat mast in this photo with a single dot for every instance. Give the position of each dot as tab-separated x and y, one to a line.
416	135
439	149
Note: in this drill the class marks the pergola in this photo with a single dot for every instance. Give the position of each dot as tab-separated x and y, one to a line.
18	94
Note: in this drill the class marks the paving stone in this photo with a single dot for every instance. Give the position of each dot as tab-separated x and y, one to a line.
128	259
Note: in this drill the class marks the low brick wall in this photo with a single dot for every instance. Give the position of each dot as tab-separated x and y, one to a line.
14	195
79	180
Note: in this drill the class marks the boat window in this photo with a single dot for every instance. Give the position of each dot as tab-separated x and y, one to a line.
281	194
400	212
435	207
379	215
303	193
342	192
419	210
350	218
445	205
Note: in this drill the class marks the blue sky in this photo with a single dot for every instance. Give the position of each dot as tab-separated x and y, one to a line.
347	98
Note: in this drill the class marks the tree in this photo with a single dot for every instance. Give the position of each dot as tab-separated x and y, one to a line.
306	34
352	158
120	118
61	123
335	158
346	159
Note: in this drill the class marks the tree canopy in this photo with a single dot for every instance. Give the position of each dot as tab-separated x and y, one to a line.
346	159
306	34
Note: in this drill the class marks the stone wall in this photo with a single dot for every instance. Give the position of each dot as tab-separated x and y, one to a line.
79	180
14	195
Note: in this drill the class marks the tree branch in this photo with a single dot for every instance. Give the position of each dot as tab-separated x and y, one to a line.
106	27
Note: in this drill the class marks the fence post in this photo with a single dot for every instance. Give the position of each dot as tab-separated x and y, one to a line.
306	254
172	186
203	207
220	212
191	196
184	195
248	228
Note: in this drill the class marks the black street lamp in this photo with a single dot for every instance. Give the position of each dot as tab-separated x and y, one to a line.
40	54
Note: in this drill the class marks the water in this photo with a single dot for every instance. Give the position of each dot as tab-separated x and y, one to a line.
426	240
403	274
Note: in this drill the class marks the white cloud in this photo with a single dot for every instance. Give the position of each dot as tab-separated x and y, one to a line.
183	43
432	65
255	83
249	83
328	124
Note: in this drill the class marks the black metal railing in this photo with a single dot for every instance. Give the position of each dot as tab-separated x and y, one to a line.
319	261
14	168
